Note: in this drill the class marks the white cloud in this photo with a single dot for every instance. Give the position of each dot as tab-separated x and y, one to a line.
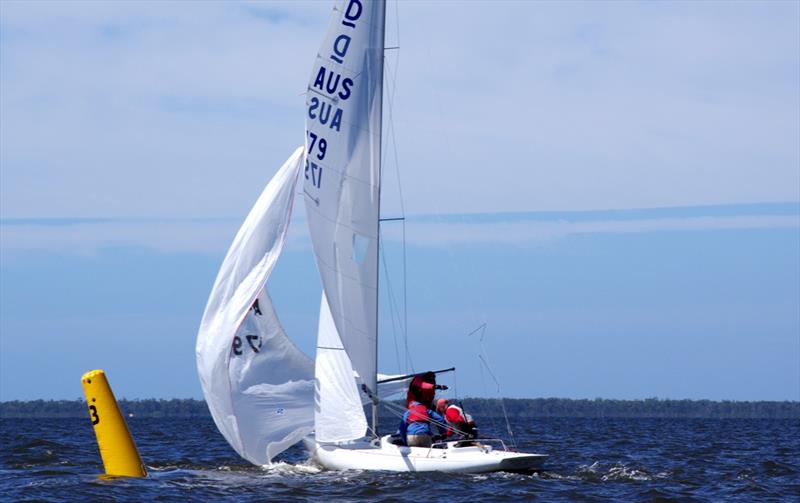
145	109
583	106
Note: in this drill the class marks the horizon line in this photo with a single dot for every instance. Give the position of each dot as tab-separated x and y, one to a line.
707	210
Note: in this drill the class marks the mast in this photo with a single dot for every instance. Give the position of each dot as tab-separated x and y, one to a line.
381	4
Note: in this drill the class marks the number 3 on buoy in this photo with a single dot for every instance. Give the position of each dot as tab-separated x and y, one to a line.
119	453
93	412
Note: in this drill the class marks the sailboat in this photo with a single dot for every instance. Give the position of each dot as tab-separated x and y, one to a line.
264	394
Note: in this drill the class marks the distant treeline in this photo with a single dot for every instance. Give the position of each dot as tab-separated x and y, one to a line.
478	407
650	407
177	407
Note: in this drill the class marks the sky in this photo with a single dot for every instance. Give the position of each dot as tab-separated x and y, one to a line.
611	188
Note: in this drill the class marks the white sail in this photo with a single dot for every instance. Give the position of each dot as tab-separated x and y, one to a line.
339	400
342	174
258	385
338	412
391	389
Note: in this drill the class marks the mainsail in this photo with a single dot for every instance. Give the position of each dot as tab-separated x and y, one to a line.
258	385
342	175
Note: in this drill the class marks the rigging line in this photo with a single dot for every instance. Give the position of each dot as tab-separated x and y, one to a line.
405	303
482	328
455	385
397	21
391	93
491	417
502	403
389	289
409	363
391	310
485	361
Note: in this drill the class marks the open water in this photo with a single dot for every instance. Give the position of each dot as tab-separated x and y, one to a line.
591	460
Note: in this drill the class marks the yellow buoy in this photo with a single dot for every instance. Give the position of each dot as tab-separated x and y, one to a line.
120	457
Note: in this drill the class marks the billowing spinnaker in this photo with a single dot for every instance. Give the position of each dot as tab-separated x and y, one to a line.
258	385
339	414
342	174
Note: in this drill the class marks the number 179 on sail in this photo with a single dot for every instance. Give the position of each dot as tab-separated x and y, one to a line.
314	173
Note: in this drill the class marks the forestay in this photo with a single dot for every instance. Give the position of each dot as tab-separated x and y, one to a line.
258	385
342	174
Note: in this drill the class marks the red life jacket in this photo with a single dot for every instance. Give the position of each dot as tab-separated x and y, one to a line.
418	413
420	390
454	414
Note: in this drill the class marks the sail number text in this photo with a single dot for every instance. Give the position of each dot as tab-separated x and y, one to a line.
313	171
254	341
321	145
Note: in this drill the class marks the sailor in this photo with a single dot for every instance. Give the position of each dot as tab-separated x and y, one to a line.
423	389
416	424
457	421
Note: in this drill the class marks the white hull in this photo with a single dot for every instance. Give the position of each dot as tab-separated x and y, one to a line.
461	457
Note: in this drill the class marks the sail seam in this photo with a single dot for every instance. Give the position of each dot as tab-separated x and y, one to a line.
341	223
343	175
340	272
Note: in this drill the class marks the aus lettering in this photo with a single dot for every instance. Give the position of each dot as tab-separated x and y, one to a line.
324	113
333	83
314	173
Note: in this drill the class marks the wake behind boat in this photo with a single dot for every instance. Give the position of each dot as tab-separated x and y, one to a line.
265	394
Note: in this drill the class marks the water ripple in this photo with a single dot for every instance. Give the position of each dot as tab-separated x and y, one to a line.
591	460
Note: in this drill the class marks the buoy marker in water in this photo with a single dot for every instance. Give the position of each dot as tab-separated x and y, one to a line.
119	453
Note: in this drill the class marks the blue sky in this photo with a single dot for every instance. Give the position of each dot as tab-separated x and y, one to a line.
613	188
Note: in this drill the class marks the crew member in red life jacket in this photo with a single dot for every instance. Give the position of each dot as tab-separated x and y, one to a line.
458	422
415	427
422	389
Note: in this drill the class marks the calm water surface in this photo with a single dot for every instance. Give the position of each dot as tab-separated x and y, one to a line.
591	460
